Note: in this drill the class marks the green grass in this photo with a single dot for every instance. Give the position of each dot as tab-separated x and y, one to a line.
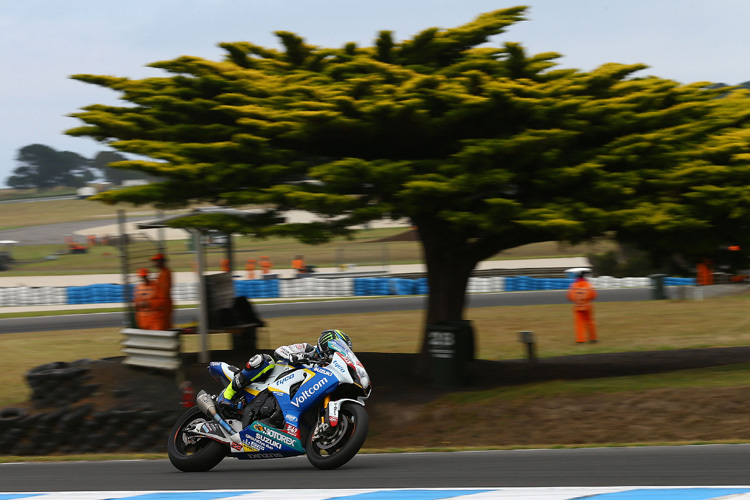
15	215
363	249
24	194
623	326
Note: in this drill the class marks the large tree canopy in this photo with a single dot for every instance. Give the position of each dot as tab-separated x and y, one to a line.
43	167
483	148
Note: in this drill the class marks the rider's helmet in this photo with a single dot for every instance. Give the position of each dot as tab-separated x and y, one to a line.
329	335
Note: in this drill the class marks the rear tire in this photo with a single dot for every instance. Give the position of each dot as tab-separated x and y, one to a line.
190	454
339	445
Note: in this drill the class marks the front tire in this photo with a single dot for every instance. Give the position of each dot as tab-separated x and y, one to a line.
339	444
190	453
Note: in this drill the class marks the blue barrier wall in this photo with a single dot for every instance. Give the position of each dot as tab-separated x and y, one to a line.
255	289
95	294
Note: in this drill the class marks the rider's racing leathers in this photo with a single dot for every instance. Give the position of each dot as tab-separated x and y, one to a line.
259	366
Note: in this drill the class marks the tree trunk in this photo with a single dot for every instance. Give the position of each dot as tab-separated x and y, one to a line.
448	272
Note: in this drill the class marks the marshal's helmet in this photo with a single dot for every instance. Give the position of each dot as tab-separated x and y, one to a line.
329	335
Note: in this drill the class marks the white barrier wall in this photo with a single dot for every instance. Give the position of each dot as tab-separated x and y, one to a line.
37	296
307	287
317	287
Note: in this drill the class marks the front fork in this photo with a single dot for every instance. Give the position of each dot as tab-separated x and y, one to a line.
325	418
329	418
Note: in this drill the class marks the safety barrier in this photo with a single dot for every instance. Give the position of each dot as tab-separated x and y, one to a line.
313	287
28	296
96	294
152	348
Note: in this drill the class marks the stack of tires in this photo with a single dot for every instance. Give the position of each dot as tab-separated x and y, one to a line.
60	383
61	423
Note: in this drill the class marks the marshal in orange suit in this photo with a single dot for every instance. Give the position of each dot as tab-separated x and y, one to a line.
582	294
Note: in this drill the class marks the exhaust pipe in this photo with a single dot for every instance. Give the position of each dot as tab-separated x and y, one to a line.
207	406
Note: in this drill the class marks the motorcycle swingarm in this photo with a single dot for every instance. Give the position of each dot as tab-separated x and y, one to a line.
216	433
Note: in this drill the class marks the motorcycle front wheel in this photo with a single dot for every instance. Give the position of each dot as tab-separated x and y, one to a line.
337	445
190	453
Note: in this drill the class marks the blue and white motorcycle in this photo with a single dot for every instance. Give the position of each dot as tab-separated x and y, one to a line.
314	409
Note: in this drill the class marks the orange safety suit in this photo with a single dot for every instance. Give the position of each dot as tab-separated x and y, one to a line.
144	306
250	268
298	264
163	300
266	264
225	266
581	293
705	275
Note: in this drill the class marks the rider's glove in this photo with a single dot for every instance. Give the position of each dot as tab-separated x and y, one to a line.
300	357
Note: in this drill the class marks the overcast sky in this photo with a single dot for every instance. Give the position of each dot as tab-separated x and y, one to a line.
46	41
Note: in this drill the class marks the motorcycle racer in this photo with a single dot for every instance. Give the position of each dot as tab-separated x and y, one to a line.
260	365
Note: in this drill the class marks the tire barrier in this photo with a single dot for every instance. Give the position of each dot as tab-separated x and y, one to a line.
78	429
317	287
61	424
60	383
96	294
256	289
313	287
33	296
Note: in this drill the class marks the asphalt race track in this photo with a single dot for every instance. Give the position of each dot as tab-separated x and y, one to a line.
643	467
319	308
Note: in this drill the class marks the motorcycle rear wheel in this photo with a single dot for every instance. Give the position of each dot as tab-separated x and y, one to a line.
191	454
342	442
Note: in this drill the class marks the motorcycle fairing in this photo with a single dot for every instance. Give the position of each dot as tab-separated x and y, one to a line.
295	390
258	438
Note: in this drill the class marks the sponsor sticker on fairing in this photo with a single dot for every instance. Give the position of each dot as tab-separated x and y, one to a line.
337	364
292	430
302	396
323	371
285	379
267	455
261	443
280	436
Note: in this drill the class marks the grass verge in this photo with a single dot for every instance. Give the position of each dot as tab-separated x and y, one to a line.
624	326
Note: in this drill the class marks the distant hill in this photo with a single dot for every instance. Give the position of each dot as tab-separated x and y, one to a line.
745	85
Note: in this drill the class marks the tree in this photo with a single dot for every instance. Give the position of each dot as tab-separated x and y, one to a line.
482	148
102	161
43	167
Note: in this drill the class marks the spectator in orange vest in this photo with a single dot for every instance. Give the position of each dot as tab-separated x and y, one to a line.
298	264
582	294
266	264
704	273
143	300
163	293
224	265
250	268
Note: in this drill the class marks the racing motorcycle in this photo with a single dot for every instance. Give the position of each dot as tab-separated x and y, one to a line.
315	409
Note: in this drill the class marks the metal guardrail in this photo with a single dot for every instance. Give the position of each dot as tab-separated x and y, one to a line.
158	349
